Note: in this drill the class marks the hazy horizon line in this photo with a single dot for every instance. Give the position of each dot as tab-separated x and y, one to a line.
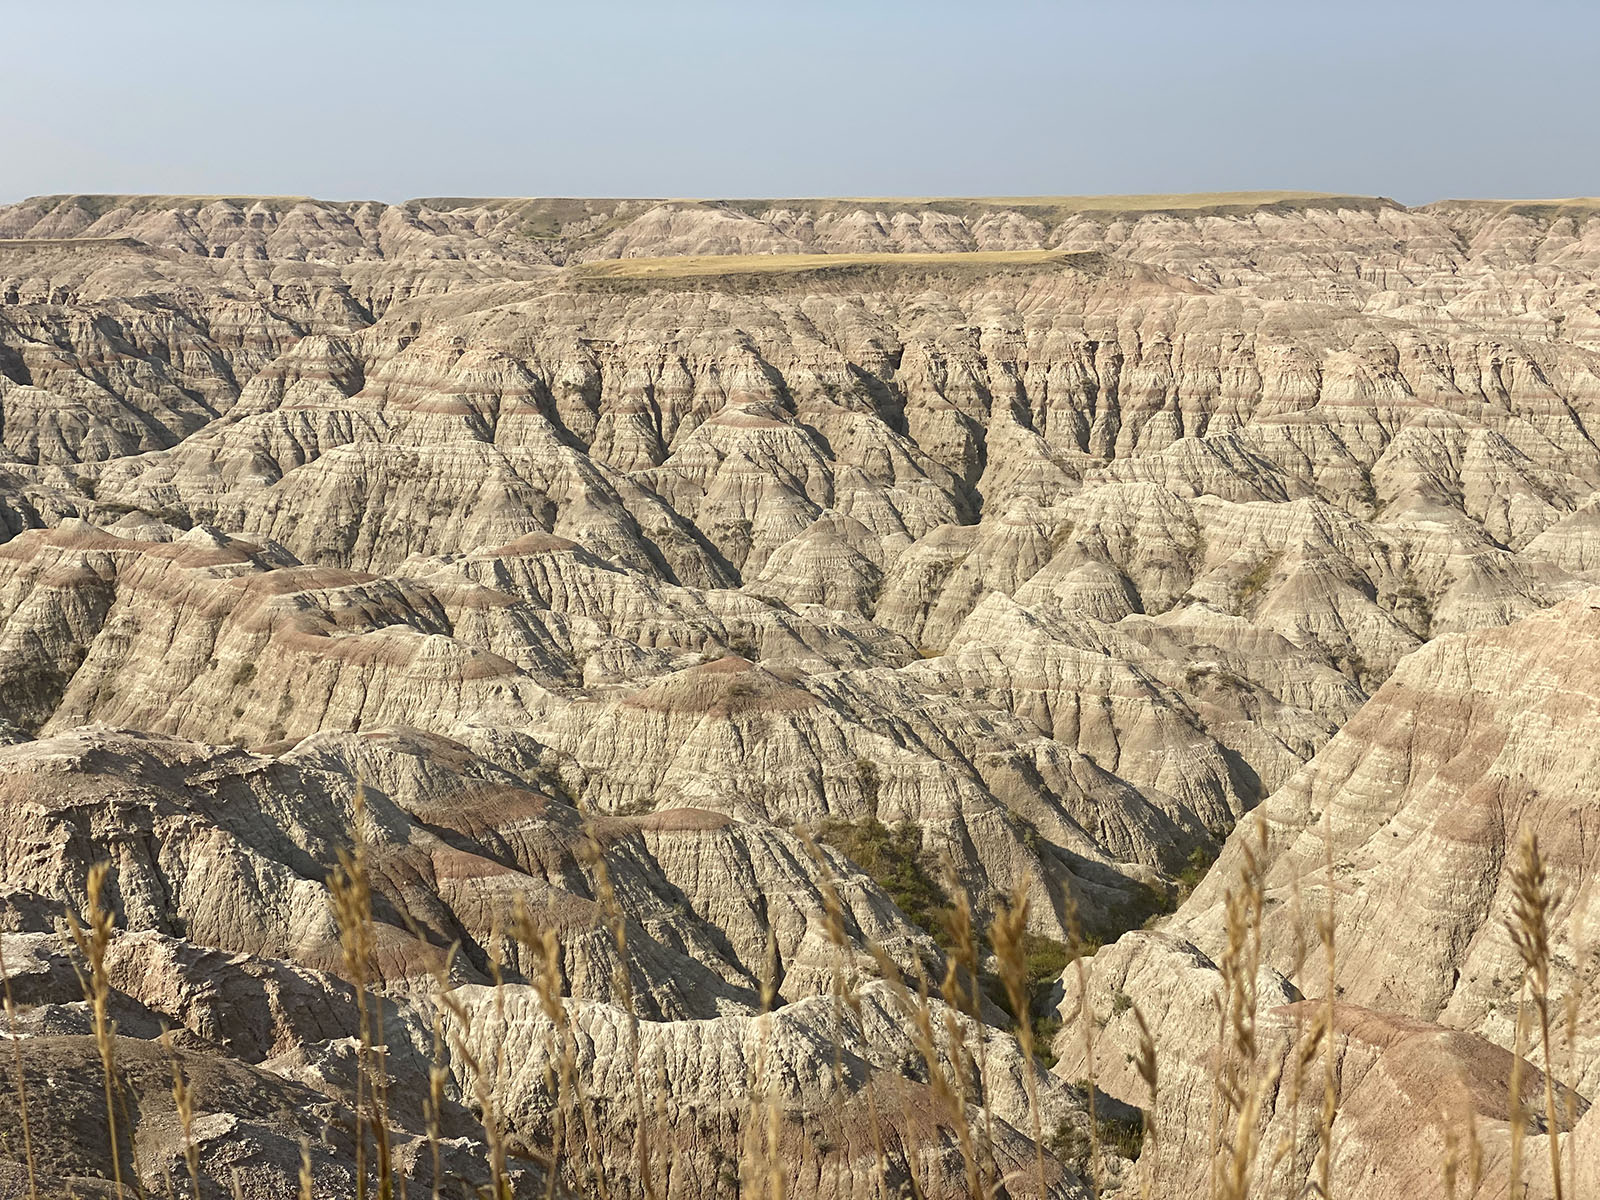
1242	196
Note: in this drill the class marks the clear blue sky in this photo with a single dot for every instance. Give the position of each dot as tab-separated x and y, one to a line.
348	99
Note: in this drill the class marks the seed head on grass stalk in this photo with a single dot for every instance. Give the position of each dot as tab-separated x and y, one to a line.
1305	1047
350	894
545	950
918	1013
761	1172
449	1004
1238	1081
93	938
1006	934
1529	926
971	1069
183	1102
846	993
1461	1145
593	856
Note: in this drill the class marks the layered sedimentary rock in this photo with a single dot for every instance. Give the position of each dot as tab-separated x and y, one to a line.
1476	741
228	938
1408	1096
614	552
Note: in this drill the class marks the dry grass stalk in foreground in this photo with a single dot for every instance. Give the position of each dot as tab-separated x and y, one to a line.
1149	1073
305	1170
1087	1026
961	995
499	1173
1516	1113
593	857
1238	1081
919	1014
433	1103
545	948
183	1102
951	1089
761	1172
445	999
351	897
546	976
1459	1147
1007	934
846	993
92	941
1529	926
21	1084
1306	1046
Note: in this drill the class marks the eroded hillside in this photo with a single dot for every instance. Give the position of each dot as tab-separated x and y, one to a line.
622	548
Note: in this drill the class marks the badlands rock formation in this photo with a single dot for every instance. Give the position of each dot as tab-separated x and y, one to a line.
1475	739
596	560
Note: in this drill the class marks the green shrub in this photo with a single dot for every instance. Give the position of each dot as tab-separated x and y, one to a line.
867	777
1123	1137
1254	580
1194	869
894	860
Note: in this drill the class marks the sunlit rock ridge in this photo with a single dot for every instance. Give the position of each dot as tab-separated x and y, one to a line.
673	564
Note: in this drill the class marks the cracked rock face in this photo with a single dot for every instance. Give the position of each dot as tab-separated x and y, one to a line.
663	566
